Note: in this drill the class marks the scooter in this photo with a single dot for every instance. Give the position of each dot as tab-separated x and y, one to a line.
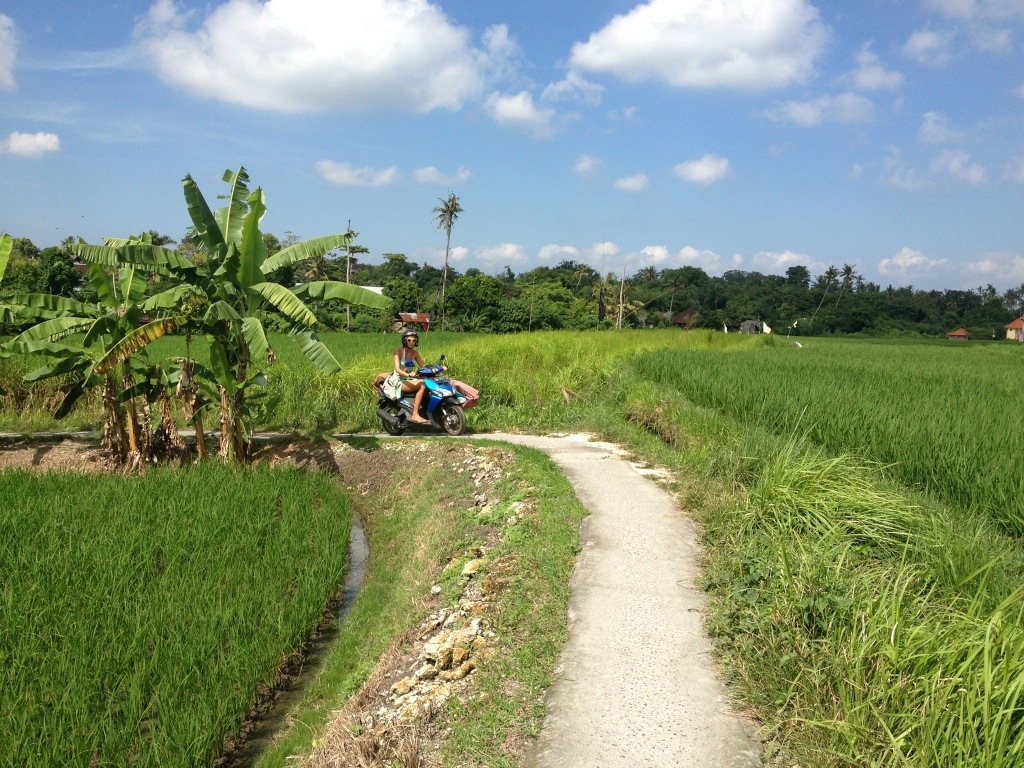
442	404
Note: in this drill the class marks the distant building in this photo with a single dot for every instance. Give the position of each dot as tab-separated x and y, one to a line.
754	326
960	334
409	319
684	319
1015	330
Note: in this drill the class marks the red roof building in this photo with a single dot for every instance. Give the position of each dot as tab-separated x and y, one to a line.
415	318
1015	330
960	334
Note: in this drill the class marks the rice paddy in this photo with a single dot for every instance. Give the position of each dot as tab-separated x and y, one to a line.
139	616
943	418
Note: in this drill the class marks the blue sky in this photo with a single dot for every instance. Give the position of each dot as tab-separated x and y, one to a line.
749	134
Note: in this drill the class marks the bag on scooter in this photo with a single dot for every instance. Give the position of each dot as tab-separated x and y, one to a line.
472	395
392	386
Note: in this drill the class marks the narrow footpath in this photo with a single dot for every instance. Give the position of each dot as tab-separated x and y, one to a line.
636	687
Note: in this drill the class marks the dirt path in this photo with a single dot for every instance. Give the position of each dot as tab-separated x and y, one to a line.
636	684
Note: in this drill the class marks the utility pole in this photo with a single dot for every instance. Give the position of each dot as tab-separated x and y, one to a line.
348	275
622	295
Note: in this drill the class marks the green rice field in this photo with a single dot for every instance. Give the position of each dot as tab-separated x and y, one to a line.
942	417
140	615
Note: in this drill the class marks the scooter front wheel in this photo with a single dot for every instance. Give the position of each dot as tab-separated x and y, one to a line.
451	419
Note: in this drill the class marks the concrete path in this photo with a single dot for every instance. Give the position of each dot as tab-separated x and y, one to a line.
636	687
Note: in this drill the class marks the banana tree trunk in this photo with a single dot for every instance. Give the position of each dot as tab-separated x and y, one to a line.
232	428
115	440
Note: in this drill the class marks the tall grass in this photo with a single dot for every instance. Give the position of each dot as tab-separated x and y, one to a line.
865	625
943	418
140	615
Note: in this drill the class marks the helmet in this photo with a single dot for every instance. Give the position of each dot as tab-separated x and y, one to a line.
410	332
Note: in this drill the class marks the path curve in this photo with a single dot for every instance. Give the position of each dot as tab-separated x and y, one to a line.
636	687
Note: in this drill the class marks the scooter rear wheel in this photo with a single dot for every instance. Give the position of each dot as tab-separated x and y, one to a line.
451	419
398	426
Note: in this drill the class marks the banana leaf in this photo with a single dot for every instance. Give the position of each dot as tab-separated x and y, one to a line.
252	250
65	365
231	217
6	246
286	302
307	249
53	330
317	352
326	290
203	220
46	305
136	340
170	298
256	338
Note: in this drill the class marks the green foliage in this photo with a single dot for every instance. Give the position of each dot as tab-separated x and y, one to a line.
141	614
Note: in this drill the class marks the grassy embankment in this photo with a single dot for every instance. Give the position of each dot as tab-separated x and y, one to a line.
868	623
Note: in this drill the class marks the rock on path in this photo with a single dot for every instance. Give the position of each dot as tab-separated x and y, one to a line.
636	686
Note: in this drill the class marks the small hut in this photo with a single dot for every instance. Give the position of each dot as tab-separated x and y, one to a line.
960	334
410	319
1015	330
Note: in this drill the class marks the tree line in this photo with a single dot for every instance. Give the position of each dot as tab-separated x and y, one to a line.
574	296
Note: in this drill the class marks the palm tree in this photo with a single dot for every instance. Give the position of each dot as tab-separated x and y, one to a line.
446	214
849	278
827	279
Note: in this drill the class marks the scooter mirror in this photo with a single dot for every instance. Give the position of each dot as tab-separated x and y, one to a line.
441	358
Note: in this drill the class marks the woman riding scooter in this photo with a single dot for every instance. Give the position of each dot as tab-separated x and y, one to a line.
407	359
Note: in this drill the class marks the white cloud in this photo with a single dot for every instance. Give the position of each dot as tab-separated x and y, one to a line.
625	115
1015	169
574	88
520	111
856	172
8	53
957	164
935	129
1020	91
871	75
896	173
506	253
431	175
709	261
315	56
706	170
777	262
587	167
634	184
748	44
557	253
908	262
844	108
928	48
656	253
346	175
30	144
457	253
600	252
978	9
1003	268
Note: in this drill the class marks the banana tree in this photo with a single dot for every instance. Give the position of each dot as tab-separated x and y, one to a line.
225	297
114	330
